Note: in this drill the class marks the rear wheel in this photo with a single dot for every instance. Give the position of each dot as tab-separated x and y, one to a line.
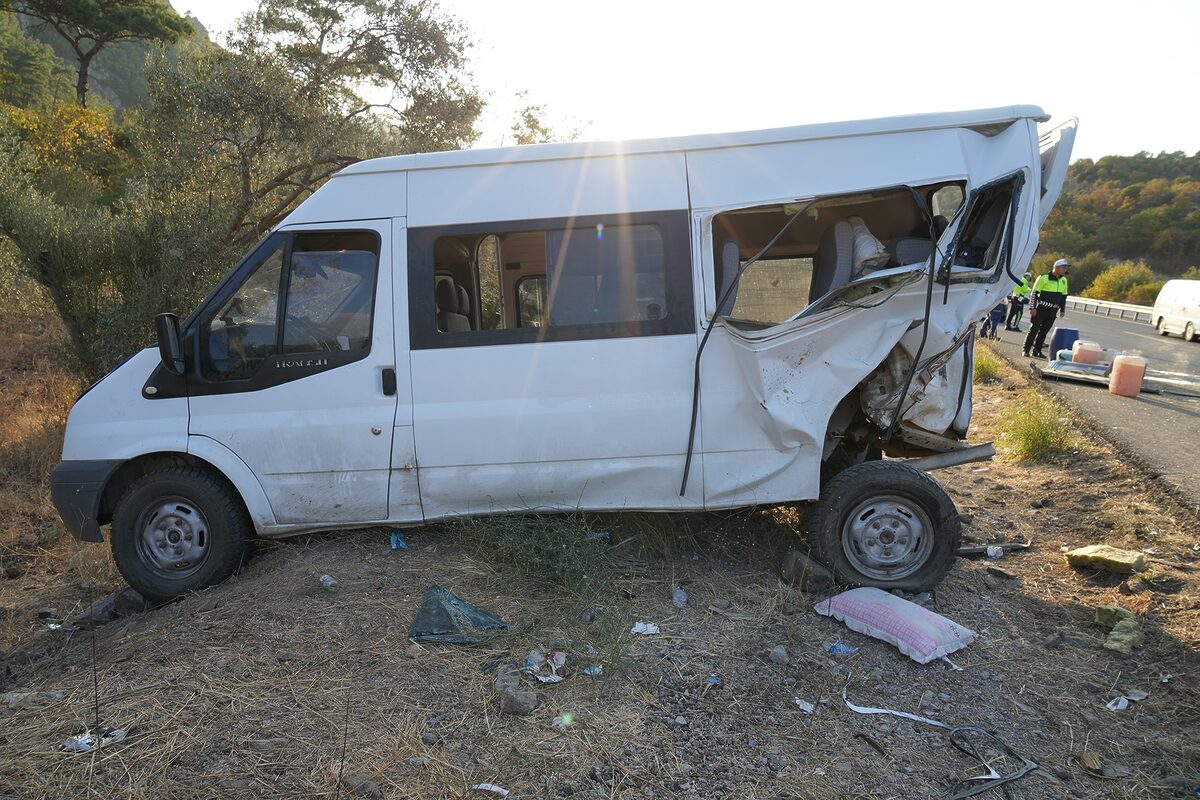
1162	327
1189	332
177	530
887	525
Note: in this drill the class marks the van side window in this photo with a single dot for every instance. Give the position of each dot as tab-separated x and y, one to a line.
983	239
564	279
329	291
835	240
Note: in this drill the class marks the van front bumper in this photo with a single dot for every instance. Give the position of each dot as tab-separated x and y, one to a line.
75	489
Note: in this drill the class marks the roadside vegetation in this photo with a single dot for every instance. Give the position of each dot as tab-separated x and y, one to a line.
987	364
1037	427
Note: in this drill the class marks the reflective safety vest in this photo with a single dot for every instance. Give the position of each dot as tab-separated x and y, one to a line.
1050	292
1022	289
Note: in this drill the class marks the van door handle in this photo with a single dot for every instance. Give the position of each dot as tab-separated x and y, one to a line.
389	381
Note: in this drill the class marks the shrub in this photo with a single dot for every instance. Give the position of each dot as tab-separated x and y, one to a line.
987	366
1038	428
1118	281
1144	294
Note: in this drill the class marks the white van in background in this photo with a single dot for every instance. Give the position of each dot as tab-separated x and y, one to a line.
697	323
1177	309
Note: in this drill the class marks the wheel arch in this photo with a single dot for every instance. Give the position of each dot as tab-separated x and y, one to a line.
229	468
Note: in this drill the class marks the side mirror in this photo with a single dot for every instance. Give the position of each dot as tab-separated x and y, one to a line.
169	348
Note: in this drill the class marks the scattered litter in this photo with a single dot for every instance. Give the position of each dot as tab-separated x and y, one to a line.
326	582
538	660
840	648
902	714
50	620
982	549
804	705
563	721
88	741
1124	631
491	787
16	700
512	699
603	537
594	670
919	633
994	551
398	542
645	629
982	469
779	655
1165	677
1122	701
1107	558
713	680
445	617
679	597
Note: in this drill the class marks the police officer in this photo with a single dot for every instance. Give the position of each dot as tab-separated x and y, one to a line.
1019	297
1049	295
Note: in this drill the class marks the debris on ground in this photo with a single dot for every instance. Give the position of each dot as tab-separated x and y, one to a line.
1124	630
840	648
539	661
445	617
492	788
982	549
1122	701
324	581
994	551
28	699
90	740
919	633
804	705
779	655
593	670
1107	558
563	721
801	571
679	597
645	629
513	699
398	542
51	620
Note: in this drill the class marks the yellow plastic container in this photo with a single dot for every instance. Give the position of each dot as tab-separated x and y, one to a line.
1128	370
1086	352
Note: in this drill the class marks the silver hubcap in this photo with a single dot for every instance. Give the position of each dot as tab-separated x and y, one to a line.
887	538
174	536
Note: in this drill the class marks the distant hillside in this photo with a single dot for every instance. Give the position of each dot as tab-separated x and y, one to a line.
118	74
1140	207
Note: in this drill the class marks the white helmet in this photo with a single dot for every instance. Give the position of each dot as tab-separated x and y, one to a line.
1062	262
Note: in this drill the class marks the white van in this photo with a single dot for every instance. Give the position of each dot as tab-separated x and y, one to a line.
696	323
1177	309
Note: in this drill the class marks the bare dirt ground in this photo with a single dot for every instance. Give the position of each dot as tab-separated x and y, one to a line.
267	686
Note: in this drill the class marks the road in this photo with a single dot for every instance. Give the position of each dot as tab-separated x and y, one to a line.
1162	429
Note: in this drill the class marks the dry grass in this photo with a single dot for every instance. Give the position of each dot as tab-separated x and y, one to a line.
1038	428
987	364
243	690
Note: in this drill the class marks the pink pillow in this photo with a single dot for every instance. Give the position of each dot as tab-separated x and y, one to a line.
920	634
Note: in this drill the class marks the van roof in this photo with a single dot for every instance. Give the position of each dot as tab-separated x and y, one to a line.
987	119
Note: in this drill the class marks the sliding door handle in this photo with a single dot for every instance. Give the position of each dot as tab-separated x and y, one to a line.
389	381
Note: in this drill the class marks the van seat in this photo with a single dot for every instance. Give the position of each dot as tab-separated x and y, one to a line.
834	261
445	297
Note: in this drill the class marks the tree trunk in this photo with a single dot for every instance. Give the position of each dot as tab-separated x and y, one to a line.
81	84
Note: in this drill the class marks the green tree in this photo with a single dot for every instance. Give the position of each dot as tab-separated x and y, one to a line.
530	126
88	26
30	73
1191	274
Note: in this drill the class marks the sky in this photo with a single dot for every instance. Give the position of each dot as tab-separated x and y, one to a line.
626	69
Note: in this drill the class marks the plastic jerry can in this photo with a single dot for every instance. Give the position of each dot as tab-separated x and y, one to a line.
1128	370
1086	352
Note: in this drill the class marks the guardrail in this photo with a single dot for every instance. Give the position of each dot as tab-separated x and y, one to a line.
1120	310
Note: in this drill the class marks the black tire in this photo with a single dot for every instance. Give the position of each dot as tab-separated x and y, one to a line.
883	485
1161	326
1189	333
209	513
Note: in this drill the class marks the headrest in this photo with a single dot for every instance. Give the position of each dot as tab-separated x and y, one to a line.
445	296
464	301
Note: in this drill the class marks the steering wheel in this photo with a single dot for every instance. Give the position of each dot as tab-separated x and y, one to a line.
323	342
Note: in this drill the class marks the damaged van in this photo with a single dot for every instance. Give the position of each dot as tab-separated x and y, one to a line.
705	322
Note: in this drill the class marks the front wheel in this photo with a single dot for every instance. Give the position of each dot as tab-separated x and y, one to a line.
1162	327
887	525
177	530
1189	333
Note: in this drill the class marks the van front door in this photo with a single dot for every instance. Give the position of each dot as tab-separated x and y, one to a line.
295	371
